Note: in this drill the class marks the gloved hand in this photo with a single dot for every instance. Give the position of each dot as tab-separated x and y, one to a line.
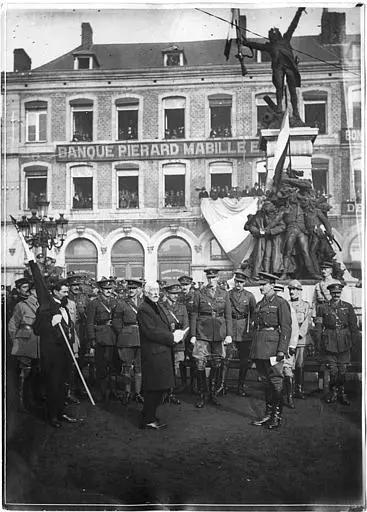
227	340
291	351
91	351
56	319
280	356
193	340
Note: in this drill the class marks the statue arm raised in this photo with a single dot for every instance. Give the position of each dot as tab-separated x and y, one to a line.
292	27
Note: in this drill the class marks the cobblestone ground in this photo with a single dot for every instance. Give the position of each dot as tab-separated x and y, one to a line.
206	456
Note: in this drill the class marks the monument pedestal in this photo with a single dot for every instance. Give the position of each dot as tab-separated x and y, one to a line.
301	149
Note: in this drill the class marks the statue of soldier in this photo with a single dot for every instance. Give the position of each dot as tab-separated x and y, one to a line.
283	62
102	337
336	330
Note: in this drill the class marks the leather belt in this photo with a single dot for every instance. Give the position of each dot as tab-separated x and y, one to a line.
105	322
239	317
130	323
214	315
266	329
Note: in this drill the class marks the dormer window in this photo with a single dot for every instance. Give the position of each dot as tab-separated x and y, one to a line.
85	60
173	57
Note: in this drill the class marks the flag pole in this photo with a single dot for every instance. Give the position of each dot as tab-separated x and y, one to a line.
30	259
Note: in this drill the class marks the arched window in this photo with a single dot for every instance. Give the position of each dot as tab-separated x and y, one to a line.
35	185
174	117
81	254
315	110
127	118
82	119
320	169
220	106
174	258
174	185
36	121
216	252
127	259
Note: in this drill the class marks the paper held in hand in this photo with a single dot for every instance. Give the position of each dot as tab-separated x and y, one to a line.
273	360
179	334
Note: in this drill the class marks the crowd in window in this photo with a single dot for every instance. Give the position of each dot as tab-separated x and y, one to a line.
217	192
221	131
82	200
128	199
82	137
174	199
174	133
131	133
34	199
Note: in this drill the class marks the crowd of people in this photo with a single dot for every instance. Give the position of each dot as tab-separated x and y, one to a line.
220	131
217	192
128	199
174	199
175	133
82	200
150	341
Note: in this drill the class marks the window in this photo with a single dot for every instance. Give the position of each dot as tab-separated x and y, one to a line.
261	172
320	169
221	175
36	185
174	259
356	109
83	193
127	118
216	252
36	121
174	185
315	103
263	112
220	106
357	180
81	255
127	258
174	117
128	190
82	120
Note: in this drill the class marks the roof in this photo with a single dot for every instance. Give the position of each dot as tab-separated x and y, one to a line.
197	53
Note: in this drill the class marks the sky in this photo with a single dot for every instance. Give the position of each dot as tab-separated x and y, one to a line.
54	29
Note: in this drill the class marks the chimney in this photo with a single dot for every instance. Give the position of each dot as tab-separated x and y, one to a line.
87	36
22	61
332	27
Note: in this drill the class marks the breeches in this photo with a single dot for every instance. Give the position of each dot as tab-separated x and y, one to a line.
337	363
104	358
130	358
288	366
272	376
178	357
208	352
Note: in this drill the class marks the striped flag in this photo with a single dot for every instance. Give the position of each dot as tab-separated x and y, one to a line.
280	153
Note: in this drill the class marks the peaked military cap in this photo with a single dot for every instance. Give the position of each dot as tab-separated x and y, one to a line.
337	285
105	283
172	288
327	264
278	287
134	283
241	275
211	272
23	280
294	283
74	280
185	279
265	276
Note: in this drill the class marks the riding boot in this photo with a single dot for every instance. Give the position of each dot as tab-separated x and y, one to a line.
201	378
268	409
276	413
138	396
288	385
332	396
222	373
299	384
241	391
194	387
213	379
342	397
171	398
183	378
105	389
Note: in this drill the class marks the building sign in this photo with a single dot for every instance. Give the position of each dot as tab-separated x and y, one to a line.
350	135
154	150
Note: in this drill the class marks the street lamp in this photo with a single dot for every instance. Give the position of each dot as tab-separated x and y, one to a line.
42	231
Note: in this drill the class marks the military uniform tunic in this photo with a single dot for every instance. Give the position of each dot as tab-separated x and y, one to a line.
211	318
179	319
243	305
125	323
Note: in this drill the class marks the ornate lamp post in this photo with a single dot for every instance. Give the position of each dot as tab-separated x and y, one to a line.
42	231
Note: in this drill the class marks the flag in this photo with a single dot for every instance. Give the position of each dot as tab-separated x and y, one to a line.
280	153
232	32
226	218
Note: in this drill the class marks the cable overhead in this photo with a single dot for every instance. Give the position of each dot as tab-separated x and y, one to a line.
242	29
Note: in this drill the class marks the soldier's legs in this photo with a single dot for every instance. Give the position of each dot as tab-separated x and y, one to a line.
137	375
262	370
126	357
343	360
103	359
288	382
275	375
230	351
201	381
243	349
299	373
25	368
216	360
332	366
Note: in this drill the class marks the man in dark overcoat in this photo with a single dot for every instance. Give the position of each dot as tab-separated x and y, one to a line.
156	340
272	332
55	355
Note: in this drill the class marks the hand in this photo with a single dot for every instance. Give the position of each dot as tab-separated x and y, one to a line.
91	351
178	335
56	319
227	340
280	356
291	351
193	340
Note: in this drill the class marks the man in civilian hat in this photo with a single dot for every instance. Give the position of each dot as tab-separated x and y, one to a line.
102	337
272	324
177	314
336	331
186	297
211	329
125	325
303	312
243	305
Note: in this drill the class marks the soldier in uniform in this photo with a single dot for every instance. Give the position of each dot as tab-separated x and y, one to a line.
179	319
336	329
211	329
303	312
272	323
243	305
128	341
186	297
102	337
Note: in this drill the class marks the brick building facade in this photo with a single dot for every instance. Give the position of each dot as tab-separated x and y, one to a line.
120	137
